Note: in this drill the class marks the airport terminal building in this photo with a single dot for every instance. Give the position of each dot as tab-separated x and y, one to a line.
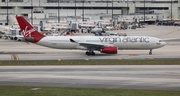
59	8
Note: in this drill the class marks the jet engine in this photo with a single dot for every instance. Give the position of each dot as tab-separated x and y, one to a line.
109	50
16	39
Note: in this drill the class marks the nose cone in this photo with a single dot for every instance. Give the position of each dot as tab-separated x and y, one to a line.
163	44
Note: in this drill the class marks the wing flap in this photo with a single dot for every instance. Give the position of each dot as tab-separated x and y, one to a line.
91	44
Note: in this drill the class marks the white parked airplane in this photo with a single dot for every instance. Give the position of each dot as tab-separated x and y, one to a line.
97	29
104	44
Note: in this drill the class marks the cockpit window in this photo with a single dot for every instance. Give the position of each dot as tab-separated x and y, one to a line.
160	40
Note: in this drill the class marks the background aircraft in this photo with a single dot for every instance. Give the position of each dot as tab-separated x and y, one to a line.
97	29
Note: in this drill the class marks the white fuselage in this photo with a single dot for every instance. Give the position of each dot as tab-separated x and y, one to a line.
121	42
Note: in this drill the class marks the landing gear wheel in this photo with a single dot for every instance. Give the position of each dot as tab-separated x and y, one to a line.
90	53
150	53
93	54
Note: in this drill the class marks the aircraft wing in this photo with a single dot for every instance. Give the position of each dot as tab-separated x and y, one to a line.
90	45
93	44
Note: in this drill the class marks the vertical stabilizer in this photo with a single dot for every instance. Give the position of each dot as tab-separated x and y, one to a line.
28	31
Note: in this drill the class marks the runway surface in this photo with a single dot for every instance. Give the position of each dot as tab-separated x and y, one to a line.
150	77
161	77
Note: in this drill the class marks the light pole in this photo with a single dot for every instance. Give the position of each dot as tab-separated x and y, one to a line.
7	18
107	7
75	8
127	6
32	12
134	6
83	10
58	13
171	10
112	10
144	11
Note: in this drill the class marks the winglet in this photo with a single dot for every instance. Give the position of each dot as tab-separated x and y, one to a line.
73	41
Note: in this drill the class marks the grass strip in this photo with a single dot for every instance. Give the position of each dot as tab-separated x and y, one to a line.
93	62
58	91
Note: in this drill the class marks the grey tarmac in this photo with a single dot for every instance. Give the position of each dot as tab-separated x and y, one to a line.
148	77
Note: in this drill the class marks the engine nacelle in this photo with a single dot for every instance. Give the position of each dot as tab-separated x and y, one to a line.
109	50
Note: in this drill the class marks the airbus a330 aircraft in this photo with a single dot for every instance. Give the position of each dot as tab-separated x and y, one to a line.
104	44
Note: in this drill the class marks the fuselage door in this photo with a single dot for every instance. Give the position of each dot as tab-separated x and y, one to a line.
152	42
45	40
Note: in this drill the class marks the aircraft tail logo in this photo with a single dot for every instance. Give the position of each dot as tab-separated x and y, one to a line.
27	33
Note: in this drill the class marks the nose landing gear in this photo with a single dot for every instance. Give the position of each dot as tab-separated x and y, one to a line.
150	52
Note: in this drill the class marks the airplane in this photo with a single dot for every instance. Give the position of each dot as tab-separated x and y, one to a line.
104	44
97	29
109	28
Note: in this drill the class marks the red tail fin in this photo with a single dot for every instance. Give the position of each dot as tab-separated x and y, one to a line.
28	31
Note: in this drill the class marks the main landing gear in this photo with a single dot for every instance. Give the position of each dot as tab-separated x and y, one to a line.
150	52
90	53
